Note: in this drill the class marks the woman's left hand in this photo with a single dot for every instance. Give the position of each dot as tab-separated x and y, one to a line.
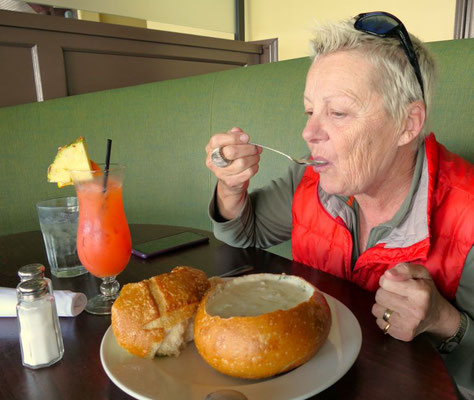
408	291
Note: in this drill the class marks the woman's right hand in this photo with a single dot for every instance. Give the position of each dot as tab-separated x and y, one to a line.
233	180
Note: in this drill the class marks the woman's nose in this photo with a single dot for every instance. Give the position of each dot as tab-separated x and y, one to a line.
314	131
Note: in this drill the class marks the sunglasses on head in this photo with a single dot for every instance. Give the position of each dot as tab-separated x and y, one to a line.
383	24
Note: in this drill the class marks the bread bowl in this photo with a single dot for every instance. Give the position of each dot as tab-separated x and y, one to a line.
260	325
155	316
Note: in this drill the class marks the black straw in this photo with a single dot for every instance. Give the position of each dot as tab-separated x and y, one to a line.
107	163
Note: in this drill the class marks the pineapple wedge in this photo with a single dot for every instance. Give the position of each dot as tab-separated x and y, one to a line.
72	157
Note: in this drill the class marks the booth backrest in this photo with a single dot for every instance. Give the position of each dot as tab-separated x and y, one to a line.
159	132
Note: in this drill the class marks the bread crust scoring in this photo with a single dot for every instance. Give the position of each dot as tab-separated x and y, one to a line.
155	316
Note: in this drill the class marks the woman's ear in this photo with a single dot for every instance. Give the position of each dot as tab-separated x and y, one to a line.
414	122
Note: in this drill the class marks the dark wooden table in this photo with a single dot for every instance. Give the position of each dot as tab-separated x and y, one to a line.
385	369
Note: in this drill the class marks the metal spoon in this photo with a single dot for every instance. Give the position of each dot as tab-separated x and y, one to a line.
226	394
236	271
303	161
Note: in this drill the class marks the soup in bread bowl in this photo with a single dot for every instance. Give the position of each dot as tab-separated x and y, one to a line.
260	325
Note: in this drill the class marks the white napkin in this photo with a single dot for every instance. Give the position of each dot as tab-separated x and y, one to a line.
68	304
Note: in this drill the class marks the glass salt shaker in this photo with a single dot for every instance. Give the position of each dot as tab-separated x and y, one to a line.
32	271
41	341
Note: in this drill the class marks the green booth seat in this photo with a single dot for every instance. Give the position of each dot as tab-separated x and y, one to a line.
160	131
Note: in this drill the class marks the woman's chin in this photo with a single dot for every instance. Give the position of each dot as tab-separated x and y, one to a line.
328	186
333	188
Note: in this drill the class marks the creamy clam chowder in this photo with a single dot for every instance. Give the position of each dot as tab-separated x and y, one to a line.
258	294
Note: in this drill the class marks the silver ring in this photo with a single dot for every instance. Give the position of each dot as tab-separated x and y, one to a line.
218	159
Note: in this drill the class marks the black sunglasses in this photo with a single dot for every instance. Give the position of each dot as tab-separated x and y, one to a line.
383	24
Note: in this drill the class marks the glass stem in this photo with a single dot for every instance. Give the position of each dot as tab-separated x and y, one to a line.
109	287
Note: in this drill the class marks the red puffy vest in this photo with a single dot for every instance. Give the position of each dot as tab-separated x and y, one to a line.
325	243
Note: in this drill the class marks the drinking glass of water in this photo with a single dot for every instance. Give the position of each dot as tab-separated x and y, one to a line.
58	220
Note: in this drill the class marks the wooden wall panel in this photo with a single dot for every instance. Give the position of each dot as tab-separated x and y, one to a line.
45	57
17	74
88	72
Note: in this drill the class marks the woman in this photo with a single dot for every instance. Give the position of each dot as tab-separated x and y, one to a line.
387	207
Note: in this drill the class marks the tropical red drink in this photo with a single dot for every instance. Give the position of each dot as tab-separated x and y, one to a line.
103	238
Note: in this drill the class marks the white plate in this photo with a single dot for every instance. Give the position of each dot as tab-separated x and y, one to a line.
188	377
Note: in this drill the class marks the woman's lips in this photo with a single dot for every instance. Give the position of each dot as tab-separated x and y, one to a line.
322	164
320	159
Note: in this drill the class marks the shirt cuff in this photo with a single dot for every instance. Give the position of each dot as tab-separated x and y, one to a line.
224	229
460	362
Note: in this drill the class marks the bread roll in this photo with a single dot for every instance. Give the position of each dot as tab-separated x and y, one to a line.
257	326
155	316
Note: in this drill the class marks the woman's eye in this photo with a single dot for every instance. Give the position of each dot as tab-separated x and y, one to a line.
308	113
338	114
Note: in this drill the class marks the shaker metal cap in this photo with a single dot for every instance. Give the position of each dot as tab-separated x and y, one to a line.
32	288
31	271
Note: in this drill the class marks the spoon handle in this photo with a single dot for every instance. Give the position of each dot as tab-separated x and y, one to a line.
269	148
236	271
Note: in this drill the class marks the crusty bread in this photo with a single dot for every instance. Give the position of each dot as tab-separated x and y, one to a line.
155	316
257	326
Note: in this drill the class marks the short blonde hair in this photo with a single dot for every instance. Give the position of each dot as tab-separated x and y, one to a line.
396	79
